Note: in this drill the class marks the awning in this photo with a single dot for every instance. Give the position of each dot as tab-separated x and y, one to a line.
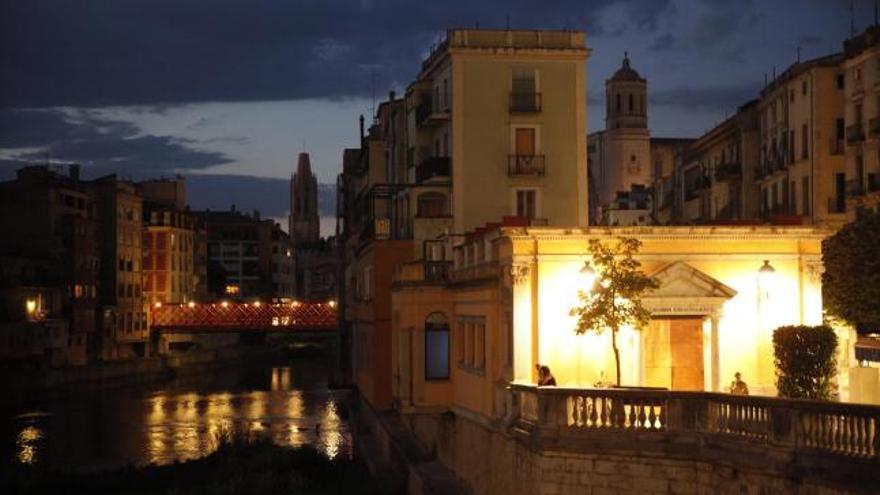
868	349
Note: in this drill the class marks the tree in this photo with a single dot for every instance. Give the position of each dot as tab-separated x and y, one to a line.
615	298
805	361
851	281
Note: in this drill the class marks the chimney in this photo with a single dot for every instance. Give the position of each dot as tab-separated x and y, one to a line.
391	95
73	171
362	130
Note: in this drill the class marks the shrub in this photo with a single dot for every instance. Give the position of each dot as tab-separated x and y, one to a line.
851	281
805	361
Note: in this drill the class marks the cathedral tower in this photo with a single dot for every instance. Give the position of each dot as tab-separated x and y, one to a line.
304	225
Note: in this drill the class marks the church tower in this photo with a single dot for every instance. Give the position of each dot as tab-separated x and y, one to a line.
622	158
304	225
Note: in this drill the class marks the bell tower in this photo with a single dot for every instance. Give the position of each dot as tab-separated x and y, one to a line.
626	99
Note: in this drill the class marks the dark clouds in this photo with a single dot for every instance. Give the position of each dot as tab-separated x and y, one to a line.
267	195
101	145
127	52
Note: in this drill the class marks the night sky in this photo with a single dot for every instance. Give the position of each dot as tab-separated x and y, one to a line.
233	90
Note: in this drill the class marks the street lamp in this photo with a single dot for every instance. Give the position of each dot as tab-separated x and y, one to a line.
589	274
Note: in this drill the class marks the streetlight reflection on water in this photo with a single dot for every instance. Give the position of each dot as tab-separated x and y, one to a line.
177	424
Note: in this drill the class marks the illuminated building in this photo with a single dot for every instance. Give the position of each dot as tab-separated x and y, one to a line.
862	121
801	173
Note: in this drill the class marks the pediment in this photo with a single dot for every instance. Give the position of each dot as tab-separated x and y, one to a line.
680	280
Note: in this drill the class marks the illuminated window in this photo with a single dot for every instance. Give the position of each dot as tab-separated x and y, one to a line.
233	290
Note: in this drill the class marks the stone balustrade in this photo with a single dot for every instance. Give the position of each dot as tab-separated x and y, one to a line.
568	417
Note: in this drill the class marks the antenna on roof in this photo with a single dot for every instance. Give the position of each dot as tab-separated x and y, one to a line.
852	17
373	90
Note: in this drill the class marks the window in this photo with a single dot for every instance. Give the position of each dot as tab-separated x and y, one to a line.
792	201
431	205
840	81
791	95
436	347
617	102
525	141
805	142
523	91
526	203
804	86
805	195
472	349
631	105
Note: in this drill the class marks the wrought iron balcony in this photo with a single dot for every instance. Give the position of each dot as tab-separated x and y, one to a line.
437	271
855	133
525	102
432	167
524	165
728	171
427	115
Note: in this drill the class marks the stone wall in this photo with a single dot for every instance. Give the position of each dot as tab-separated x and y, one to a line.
493	462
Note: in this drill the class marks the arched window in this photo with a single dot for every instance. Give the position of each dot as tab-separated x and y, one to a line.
436	347
617	103
431	204
632	107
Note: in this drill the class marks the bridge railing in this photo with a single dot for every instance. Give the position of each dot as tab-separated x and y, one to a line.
244	316
796	426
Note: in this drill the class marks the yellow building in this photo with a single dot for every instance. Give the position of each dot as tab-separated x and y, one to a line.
801	173
861	80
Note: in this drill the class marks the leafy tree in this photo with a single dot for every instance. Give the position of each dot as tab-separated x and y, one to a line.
615	298
851	281
805	361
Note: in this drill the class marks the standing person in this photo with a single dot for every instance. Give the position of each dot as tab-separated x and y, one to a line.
549	380
738	386
540	373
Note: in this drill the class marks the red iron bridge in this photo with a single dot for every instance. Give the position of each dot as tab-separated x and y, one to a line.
296	317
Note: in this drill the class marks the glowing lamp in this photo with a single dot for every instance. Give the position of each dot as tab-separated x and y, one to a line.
331	303
31	306
225	304
766	270
589	274
257	304
157	304
191	304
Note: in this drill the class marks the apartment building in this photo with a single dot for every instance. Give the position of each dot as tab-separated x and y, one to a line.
861	78
801	174
50	245
717	174
423	177
123	318
169	274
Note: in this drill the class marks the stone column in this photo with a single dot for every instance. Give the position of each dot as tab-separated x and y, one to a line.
715	318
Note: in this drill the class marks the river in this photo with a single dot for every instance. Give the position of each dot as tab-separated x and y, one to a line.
179	419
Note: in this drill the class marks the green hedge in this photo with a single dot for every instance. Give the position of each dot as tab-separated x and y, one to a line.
805	361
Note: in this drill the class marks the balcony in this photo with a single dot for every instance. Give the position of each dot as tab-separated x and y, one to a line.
525	165
855	133
839	437
837	205
525	102
874	127
728	171
427	116
432	168
855	187
437	271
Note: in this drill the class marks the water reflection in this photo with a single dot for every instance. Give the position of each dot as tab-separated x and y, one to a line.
186	419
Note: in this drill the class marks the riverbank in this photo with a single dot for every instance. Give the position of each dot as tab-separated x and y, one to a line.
236	467
58	382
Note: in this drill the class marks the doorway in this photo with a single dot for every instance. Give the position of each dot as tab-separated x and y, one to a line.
672	350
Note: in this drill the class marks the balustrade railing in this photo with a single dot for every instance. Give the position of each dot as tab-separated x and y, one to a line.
839	429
